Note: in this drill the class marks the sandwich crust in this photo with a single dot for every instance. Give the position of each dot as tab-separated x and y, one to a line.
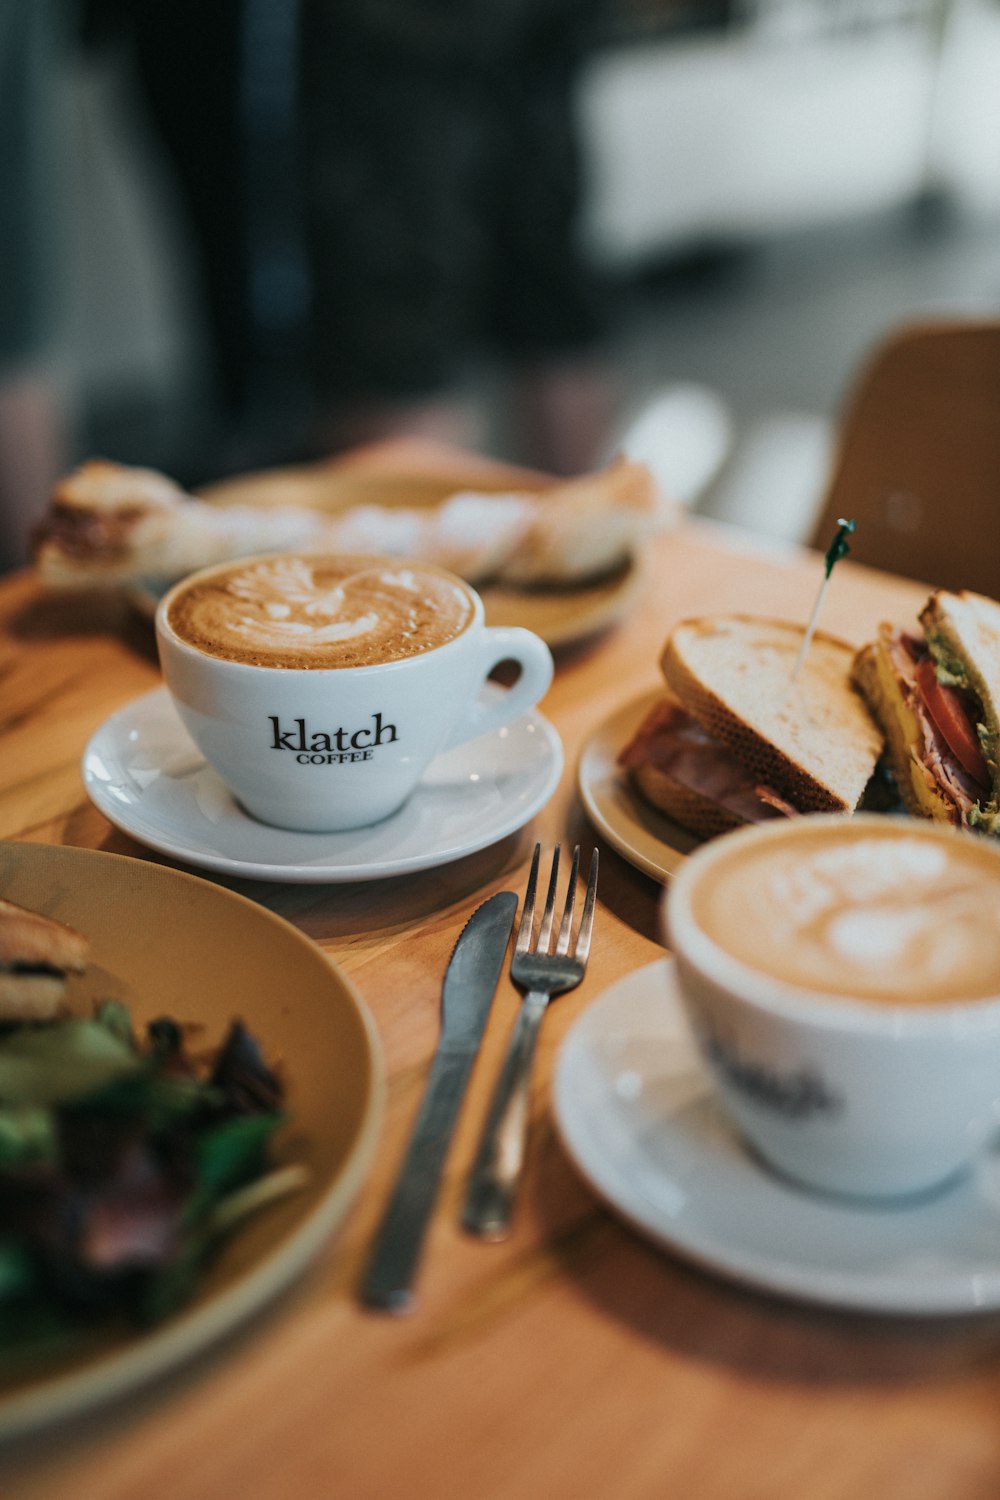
688	807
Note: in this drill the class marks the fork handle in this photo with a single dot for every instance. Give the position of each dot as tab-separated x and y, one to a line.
496	1171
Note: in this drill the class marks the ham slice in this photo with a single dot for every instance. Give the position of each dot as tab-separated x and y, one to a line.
670	740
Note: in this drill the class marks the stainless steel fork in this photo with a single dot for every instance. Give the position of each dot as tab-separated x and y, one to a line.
541	974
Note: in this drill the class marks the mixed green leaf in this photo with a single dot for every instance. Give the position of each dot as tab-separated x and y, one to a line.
122	1160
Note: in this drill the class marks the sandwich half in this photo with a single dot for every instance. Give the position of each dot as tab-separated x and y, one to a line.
734	740
37	954
935	694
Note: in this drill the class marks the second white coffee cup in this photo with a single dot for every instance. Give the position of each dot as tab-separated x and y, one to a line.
328	748
842	978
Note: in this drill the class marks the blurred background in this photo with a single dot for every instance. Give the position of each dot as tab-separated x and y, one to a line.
731	202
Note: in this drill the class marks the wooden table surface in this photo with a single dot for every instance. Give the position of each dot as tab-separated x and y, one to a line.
575	1361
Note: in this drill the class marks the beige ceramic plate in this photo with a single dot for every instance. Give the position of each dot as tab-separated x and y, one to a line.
169	943
643	836
560	616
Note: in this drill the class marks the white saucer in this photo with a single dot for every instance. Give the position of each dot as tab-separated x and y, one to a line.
636	1112
144	773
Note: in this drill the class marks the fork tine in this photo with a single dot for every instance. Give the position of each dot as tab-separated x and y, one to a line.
528	906
545	932
566	928
582	950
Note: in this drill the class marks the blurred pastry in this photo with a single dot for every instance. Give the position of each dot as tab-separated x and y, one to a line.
109	524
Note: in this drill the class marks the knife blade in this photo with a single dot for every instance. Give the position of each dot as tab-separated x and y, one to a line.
466	995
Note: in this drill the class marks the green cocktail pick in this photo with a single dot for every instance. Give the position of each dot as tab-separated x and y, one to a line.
838	548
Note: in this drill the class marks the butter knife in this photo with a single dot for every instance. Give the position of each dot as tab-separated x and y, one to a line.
467	993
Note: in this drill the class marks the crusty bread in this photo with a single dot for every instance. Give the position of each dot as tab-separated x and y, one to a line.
964	628
814	740
688	807
36	954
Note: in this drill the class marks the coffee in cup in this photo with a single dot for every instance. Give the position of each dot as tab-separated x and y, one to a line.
303	613
842	977
320	687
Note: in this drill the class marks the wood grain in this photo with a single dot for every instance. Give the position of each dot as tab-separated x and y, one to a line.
574	1360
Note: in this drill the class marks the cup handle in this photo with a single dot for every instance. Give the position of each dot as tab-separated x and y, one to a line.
530	652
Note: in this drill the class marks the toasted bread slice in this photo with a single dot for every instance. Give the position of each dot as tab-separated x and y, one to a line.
814	740
36	954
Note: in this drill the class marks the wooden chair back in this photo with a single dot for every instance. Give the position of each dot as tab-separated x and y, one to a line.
917	459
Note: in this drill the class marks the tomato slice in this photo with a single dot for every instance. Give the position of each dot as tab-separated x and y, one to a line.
947	708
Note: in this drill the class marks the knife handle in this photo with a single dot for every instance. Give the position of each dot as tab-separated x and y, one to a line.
389	1274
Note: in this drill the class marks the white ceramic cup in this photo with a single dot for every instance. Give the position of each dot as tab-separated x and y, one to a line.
327	749
838	1090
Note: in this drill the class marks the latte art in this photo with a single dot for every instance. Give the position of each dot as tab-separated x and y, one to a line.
892	916
306	613
302	611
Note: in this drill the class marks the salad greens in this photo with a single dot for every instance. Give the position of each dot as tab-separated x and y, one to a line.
122	1160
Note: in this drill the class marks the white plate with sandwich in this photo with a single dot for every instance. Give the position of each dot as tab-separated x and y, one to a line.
729	739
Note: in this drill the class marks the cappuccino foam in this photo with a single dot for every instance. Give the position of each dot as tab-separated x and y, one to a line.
303	611
898	916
